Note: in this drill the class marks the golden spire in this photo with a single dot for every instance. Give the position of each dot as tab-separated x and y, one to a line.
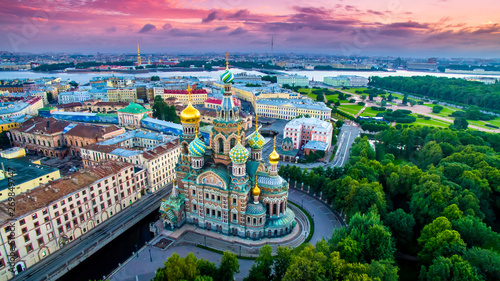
256	121
138	56
256	189
239	136
196	131
227	60
189	93
274	146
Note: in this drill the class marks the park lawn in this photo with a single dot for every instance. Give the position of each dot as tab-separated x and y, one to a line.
481	124
353	90
344	101
333	98
312	96
370	112
304	90
495	122
352	109
432	122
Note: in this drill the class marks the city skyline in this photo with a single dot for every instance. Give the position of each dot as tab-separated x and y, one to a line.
393	27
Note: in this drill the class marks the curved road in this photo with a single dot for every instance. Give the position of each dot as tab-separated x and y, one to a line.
325	222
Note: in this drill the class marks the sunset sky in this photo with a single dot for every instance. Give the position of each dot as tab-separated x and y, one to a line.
444	28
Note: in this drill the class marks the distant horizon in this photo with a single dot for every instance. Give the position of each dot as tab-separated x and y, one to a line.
237	53
449	29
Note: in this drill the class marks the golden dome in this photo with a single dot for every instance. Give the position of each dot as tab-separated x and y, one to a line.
256	189
190	114
274	157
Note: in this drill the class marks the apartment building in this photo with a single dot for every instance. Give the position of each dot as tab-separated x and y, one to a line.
47	218
157	154
291	108
303	130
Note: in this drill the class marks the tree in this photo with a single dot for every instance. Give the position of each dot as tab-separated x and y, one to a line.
262	268
320	97
390	97
363	97
431	153
50	98
177	268
412	102
307	265
337	103
339	123
383	103
460	123
405	99
486	261
401	225
155	78
282	262
475	232
446	243
206	268
73	84
228	267
453	268
437	108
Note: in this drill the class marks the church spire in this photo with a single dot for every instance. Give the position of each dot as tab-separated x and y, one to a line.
138	56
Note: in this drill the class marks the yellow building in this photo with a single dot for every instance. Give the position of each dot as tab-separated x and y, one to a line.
198	96
14	152
242	94
22	175
290	108
122	94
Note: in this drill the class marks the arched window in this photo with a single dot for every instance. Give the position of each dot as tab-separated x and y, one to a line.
274	209
233	142
221	146
58	142
254	221
248	220
281	208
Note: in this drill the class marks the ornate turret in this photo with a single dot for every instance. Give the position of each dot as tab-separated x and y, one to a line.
274	158
227	111
256	142
256	192
197	152
239	157
190	117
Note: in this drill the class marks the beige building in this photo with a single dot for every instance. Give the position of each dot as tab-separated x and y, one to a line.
122	94
290	108
49	217
155	153
198	96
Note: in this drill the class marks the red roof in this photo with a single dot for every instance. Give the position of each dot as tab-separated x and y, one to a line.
236	101
184	92
33	100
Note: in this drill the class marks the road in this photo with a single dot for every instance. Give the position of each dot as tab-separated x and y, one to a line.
346	138
344	143
69	256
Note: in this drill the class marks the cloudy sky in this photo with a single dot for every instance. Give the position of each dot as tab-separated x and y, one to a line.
445	28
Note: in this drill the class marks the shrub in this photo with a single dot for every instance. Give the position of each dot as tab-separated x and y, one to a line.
361	103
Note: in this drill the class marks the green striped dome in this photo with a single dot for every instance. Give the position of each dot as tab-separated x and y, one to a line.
256	140
197	148
227	77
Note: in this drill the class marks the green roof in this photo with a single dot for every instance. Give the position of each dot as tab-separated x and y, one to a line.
134	108
252	167
24	171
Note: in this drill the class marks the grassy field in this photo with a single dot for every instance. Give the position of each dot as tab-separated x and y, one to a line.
432	122
370	112
353	90
312	96
351	108
495	122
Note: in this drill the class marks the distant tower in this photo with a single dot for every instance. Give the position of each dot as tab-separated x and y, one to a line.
138	56
149	61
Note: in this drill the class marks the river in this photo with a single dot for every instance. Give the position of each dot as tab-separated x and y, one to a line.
317	75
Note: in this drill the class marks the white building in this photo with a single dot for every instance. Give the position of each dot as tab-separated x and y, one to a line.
346	81
293	80
303	130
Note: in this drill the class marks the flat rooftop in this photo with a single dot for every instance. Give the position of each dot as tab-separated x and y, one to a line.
24	171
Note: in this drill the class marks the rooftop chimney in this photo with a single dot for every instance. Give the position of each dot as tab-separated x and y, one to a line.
48	124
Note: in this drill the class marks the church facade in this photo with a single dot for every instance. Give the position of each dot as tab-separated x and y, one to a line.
224	187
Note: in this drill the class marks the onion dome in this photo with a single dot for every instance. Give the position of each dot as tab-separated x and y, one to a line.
227	77
190	114
197	147
256	189
238	154
274	157
256	140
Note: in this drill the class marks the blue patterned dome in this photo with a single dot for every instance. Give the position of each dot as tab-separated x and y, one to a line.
238	154
197	148
256	140
227	77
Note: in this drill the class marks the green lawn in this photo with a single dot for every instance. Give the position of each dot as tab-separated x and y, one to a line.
353	90
432	122
304	90
370	112
495	122
352	109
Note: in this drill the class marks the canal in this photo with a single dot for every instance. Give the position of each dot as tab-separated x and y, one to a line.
120	249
